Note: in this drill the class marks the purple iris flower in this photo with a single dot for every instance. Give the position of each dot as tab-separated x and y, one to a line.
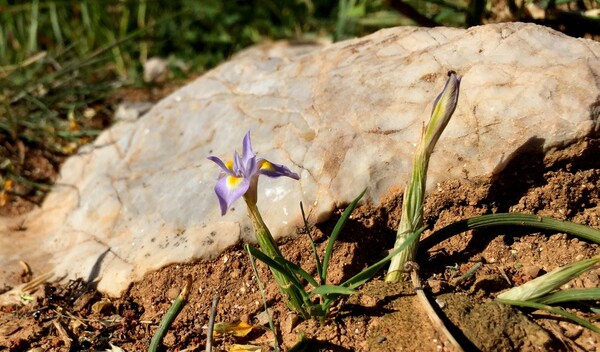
239	177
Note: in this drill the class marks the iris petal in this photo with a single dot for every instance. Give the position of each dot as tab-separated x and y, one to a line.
247	152
239	177
270	169
226	167
229	189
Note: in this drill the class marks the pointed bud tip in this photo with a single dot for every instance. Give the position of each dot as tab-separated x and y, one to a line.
453	74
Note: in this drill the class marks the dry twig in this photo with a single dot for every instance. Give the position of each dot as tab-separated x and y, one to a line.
413	269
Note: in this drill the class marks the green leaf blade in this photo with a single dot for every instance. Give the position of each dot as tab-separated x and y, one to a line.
336	232
571	295
326	290
546	283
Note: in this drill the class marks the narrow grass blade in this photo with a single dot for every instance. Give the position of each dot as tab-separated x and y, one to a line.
336	231
211	323
312	245
554	310
509	219
3	45
87	24
33	26
264	298
289	284
546	283
55	23
468	274
141	22
170	316
296	269
571	295
271	263
325	290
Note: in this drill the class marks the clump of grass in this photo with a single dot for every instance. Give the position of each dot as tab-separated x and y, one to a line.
55	78
60	60
50	106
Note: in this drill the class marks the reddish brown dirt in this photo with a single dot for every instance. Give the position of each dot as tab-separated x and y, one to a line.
382	317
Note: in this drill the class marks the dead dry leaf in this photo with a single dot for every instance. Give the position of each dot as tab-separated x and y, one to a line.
239	329
244	348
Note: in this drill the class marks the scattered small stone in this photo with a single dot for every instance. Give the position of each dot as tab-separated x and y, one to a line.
262	318
290	322
245	318
531	271
235	273
570	330
434	285
131	111
367	301
172	293
155	70
381	339
591	280
441	304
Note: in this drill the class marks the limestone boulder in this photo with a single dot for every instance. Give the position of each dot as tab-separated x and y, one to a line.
344	116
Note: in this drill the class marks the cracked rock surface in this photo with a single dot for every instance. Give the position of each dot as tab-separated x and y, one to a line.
344	116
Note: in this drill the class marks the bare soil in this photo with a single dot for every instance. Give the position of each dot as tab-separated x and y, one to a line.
564	184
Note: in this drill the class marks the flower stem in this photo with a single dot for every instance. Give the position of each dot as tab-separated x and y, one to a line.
267	244
412	215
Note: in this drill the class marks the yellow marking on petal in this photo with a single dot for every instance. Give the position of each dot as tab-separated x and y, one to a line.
229	165
266	165
233	182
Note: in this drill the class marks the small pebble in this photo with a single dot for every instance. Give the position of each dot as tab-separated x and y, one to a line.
435	285
290	322
441	304
172	293
570	330
367	301
155	70
531	271
262	318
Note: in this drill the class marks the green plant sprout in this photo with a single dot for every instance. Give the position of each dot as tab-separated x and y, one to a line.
317	302
412	204
239	179
539	287
538	293
170	316
534	294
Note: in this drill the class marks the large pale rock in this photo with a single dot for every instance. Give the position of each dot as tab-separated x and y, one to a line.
344	116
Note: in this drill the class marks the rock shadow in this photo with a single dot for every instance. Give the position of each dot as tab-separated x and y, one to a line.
524	170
